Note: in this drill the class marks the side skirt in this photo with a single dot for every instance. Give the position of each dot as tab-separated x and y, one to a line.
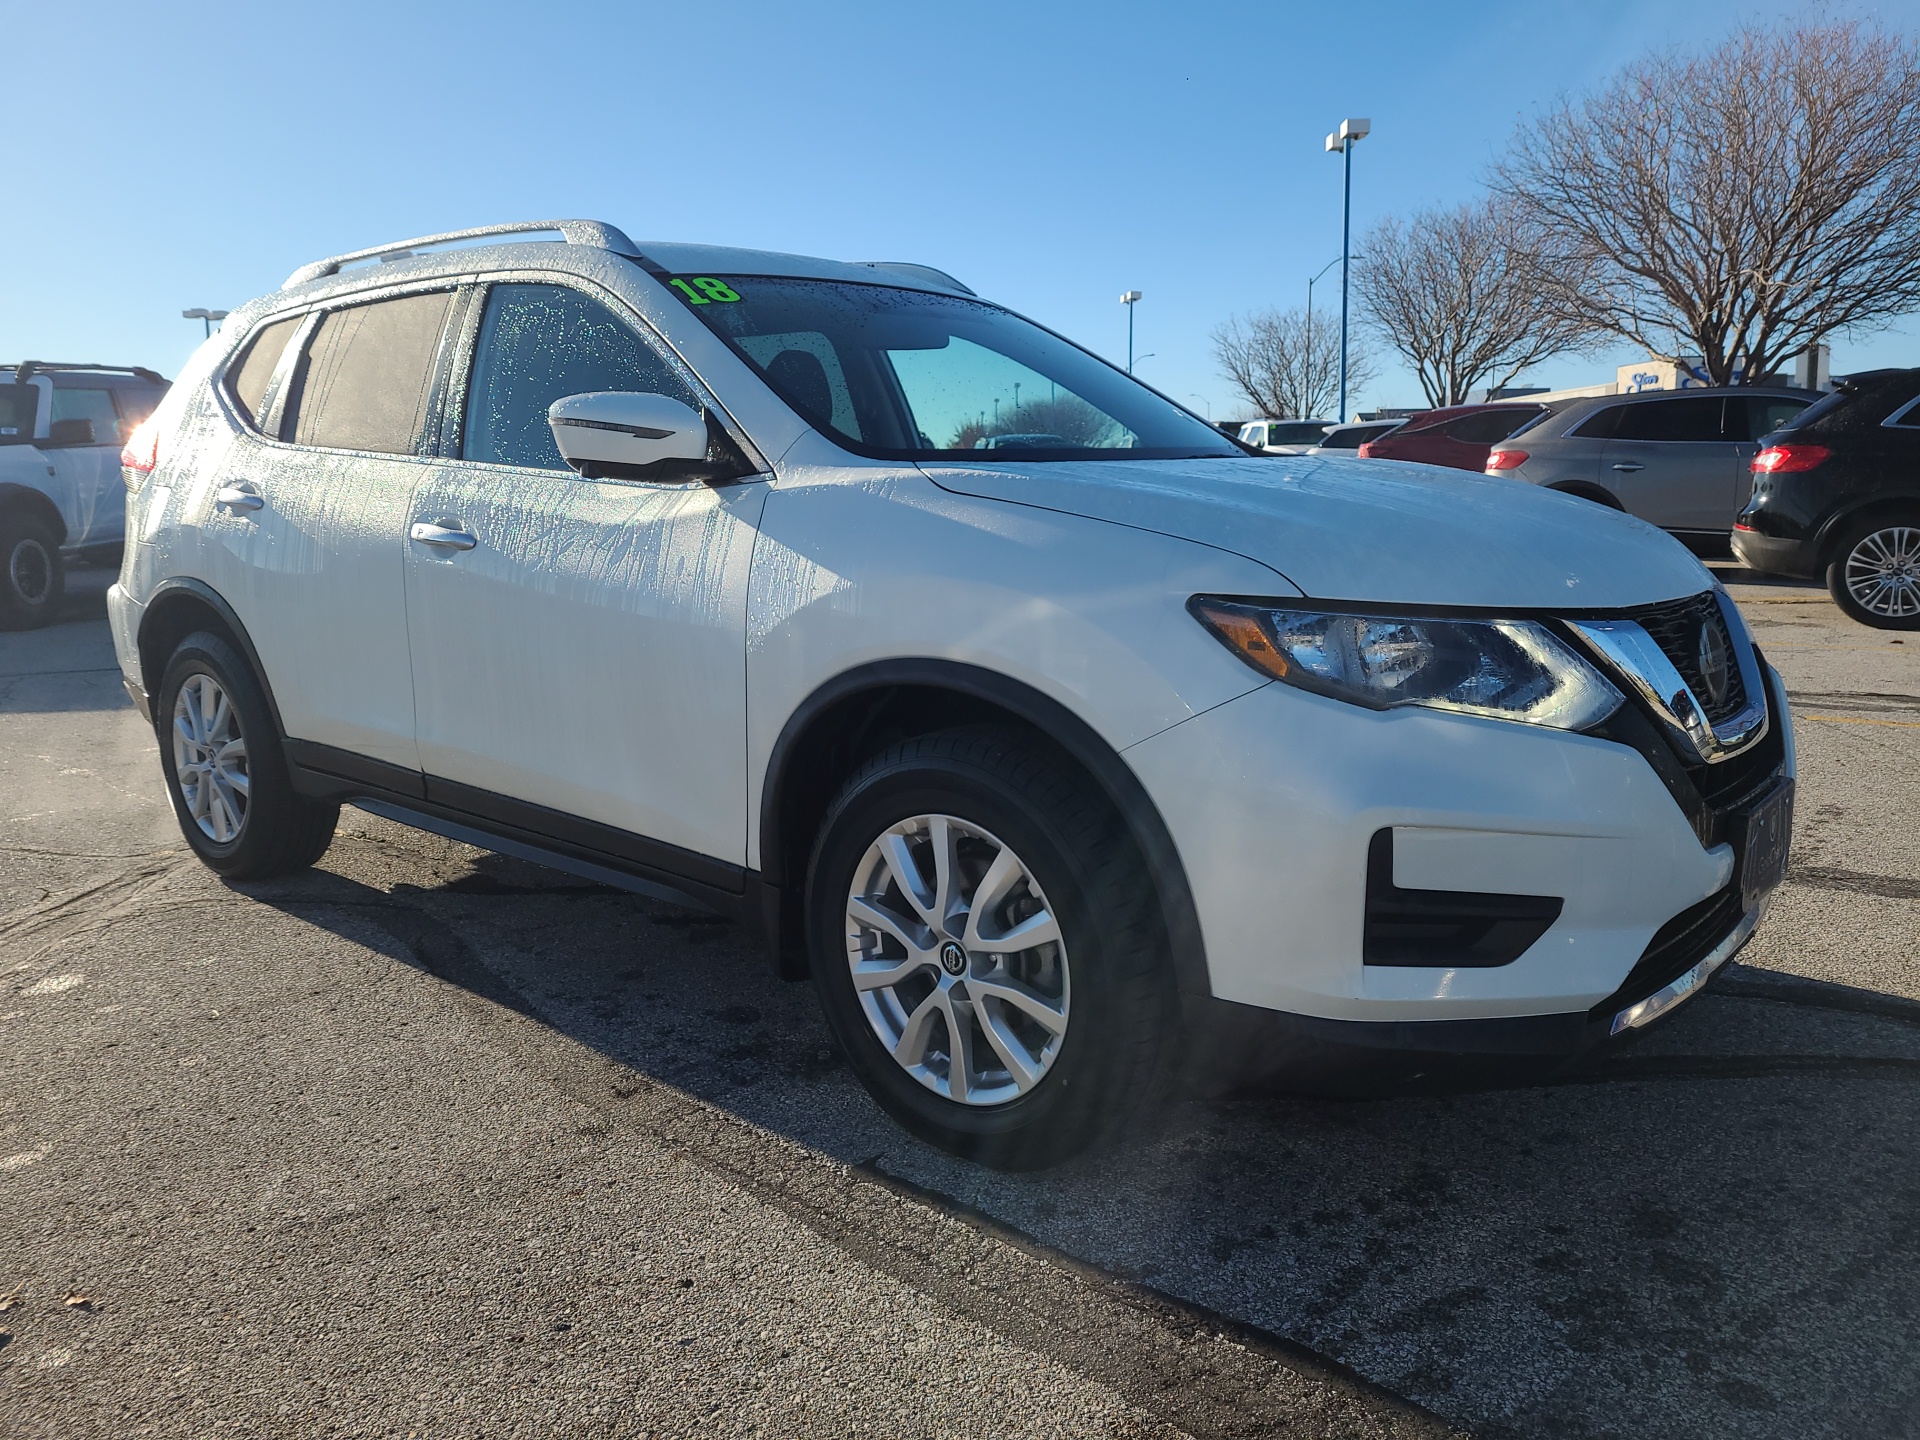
527	832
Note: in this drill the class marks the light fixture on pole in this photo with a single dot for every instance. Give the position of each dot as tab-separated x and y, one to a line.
1350	133
1130	299
205	316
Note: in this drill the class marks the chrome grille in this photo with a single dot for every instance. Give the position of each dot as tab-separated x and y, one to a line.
1675	628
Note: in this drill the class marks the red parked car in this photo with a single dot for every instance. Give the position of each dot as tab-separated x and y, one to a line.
1460	436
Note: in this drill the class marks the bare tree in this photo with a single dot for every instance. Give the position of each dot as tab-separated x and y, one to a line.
1459	293
1285	367
1066	418
1737	205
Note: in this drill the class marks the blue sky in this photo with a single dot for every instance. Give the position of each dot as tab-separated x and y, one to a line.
1051	155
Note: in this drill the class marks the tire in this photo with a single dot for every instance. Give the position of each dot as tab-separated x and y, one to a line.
33	577
1874	575
1091	1012
237	806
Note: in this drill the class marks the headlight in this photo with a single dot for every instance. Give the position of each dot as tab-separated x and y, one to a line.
1506	669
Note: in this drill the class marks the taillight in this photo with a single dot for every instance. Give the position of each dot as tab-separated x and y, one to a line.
1787	459
140	454
1366	451
1505	460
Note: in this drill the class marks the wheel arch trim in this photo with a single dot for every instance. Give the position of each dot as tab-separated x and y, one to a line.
35	501
182	590
1827	538
782	874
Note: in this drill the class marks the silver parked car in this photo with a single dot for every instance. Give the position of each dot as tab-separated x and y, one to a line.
1675	458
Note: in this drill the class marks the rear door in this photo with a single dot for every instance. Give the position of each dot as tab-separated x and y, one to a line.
1670	463
90	474
308	521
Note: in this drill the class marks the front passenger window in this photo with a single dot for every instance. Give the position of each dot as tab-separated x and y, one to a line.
539	343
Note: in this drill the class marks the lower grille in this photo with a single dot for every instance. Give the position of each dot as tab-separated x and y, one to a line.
1676	947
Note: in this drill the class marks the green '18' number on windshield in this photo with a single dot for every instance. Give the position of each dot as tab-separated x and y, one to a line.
702	288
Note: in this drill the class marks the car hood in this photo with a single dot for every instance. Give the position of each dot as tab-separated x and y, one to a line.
1370	530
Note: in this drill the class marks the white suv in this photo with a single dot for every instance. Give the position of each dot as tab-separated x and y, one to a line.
1052	733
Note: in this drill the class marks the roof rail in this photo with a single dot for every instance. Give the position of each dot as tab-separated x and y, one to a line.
27	369
597	233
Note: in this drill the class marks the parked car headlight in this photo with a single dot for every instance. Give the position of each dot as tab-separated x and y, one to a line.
1506	669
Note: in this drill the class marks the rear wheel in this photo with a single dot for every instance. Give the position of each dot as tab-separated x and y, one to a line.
226	775
985	943
32	575
1875	572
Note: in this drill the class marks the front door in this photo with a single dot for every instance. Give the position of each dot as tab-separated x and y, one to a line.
1670	463
307	540
579	646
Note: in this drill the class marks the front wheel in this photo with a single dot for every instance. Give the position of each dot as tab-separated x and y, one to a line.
986	946
226	775
1875	572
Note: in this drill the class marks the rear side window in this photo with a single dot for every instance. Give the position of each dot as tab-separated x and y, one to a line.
1907	417
247	381
1693	419
18	404
367	375
1766	414
93	406
538	344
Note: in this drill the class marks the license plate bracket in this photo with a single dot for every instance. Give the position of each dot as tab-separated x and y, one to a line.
1765	833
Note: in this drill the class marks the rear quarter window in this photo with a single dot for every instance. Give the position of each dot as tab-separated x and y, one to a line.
247	380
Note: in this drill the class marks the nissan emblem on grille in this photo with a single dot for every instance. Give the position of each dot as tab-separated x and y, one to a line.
1714	662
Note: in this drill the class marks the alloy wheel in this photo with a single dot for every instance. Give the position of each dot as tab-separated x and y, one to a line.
958	960
1882	572
30	571
210	758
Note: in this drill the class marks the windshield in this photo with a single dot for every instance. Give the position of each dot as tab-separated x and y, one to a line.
902	374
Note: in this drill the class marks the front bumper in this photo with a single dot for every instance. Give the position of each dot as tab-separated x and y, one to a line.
1771	556
1273	798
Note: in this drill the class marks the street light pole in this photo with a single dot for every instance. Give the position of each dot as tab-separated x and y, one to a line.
1130	299
1350	133
1307	368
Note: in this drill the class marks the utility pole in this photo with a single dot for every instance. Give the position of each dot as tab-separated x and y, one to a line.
1350	133
1130	299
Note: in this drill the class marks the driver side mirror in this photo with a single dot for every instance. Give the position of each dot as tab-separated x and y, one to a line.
622	435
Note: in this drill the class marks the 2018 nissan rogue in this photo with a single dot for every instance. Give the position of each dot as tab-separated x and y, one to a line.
687	568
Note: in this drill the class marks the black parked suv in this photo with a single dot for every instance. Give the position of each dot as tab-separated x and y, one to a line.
1836	495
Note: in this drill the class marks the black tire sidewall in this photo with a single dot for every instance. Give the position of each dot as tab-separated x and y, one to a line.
1837	573
1060	1113
16	611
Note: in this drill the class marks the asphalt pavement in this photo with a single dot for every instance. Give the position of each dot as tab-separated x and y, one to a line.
432	1142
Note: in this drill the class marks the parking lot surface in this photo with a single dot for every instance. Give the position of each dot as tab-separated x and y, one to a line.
432	1142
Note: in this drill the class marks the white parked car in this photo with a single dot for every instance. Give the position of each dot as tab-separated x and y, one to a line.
1284	437
61	428
682	567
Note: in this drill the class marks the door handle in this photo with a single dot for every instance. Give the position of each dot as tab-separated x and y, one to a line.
442	536
237	498
1628	465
